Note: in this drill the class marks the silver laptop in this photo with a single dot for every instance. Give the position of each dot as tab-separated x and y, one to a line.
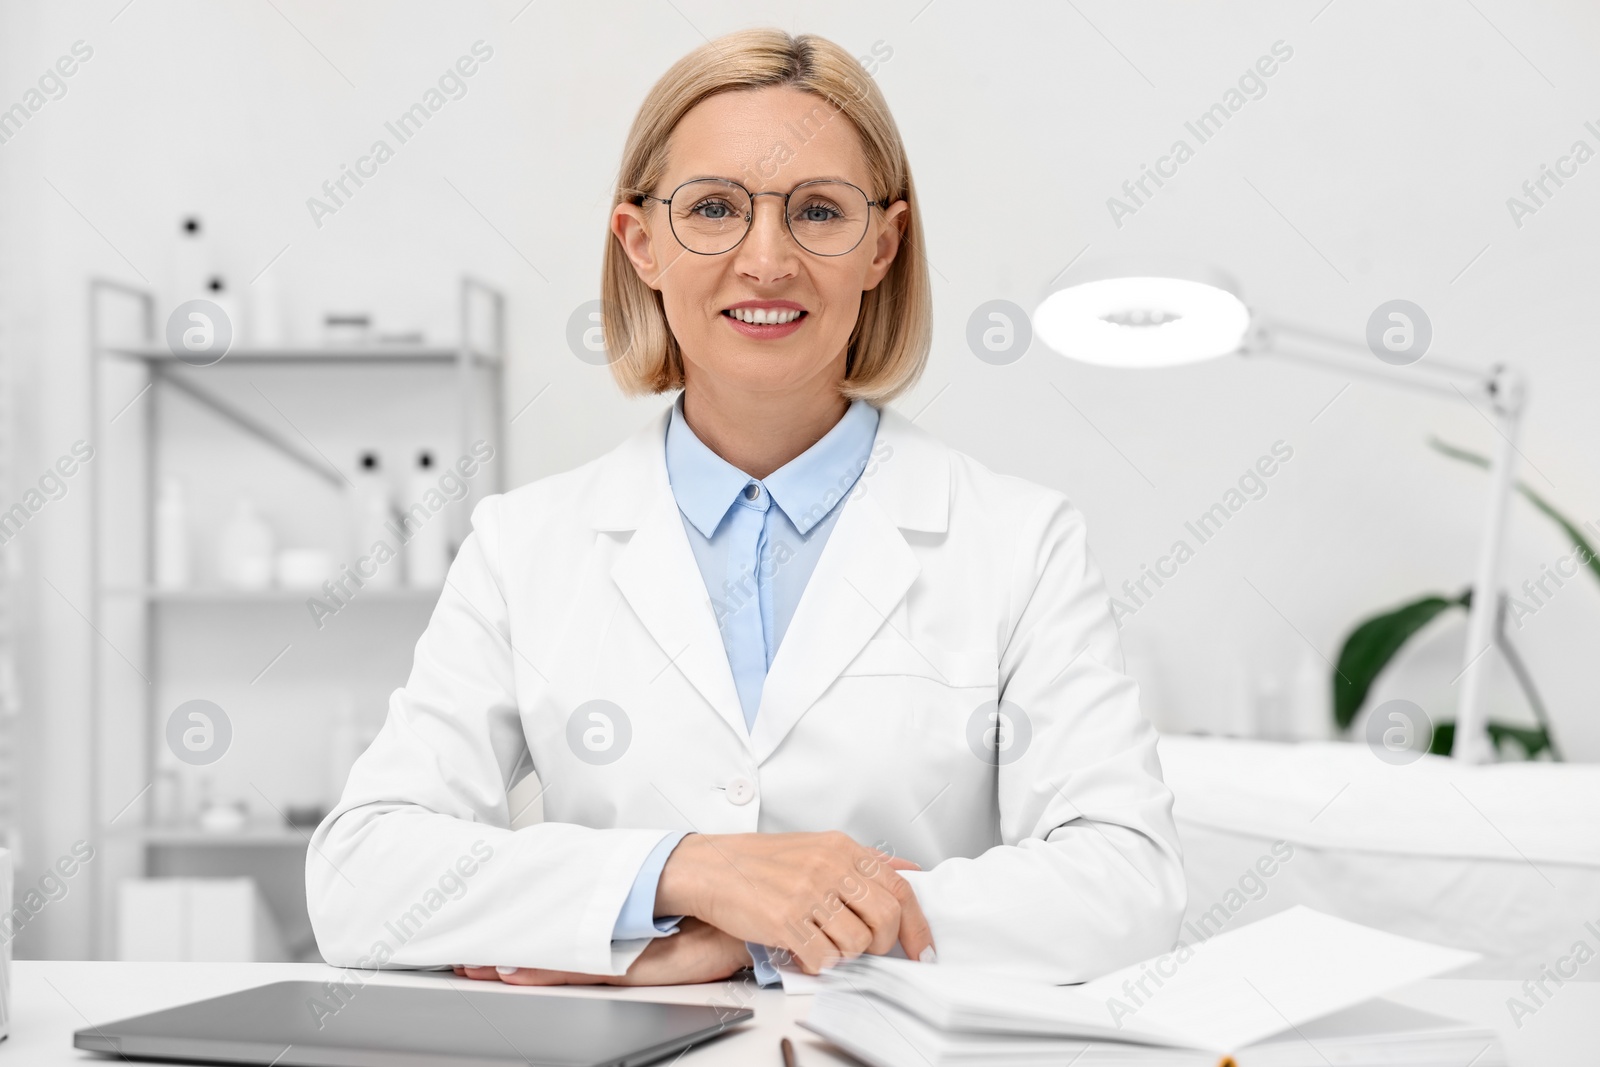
298	1024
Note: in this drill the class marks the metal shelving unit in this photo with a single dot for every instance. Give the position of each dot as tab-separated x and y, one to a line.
125	756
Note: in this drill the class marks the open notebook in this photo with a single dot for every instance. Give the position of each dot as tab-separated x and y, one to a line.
1299	987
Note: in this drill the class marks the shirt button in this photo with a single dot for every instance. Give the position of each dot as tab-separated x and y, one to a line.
752	491
741	791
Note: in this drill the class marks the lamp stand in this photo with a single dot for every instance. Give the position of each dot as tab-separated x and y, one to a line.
1506	394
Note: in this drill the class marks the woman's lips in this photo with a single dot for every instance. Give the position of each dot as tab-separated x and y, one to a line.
764	332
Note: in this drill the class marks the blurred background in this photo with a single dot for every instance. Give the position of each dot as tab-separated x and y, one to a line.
412	324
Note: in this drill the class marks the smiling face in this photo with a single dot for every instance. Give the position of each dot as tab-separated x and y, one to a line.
768	140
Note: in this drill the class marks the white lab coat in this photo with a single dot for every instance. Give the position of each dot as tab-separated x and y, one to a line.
943	586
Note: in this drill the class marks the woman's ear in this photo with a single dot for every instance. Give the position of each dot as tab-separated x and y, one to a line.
627	223
895	218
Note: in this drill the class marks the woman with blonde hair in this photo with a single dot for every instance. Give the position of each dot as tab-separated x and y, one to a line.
797	680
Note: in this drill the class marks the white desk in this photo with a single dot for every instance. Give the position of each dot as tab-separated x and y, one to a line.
51	1000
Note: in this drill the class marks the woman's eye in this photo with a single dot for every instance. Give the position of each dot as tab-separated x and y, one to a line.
715	210
818	213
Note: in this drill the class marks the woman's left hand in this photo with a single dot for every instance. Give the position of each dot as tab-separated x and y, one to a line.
698	952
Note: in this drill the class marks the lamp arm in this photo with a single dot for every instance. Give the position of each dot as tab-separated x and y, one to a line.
1281	328
1268	337
1505	392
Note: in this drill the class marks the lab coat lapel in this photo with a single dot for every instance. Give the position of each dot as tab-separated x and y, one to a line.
863	572
657	574
862	575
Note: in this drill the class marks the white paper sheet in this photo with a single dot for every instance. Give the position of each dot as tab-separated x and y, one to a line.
1244	985
1219	995
797	981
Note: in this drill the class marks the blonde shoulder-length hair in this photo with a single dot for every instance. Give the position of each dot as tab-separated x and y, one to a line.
889	345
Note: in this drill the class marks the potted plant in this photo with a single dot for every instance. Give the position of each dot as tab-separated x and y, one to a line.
1375	641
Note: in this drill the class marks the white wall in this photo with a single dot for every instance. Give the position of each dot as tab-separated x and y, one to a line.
1377	165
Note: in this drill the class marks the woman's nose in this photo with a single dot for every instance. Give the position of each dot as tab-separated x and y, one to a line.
769	243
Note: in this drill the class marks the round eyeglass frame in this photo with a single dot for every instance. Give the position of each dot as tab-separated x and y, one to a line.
749	219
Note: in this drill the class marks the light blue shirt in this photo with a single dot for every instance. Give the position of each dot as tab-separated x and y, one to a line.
755	559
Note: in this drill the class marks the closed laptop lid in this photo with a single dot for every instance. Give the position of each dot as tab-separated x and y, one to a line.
309	1024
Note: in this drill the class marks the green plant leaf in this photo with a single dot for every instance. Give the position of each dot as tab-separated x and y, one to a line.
1567	525
1532	739
1376	641
1373	643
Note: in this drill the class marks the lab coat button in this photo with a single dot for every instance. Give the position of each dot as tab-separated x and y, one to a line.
741	791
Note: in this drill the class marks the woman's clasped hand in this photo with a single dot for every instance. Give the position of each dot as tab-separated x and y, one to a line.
813	898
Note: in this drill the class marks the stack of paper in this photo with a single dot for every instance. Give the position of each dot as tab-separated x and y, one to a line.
1298	988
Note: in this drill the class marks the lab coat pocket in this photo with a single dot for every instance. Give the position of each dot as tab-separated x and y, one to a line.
908	712
898	656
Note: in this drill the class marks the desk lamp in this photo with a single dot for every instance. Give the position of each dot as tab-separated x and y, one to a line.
1144	315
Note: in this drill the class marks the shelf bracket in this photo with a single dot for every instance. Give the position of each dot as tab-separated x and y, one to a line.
251	425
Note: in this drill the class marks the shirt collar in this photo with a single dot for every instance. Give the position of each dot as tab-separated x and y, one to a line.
807	488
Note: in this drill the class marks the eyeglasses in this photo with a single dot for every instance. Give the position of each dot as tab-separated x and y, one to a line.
710	216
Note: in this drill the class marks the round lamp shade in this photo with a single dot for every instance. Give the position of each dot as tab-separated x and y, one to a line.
1143	320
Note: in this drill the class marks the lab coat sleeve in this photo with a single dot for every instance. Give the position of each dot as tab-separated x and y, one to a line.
1089	874
638	916
417	864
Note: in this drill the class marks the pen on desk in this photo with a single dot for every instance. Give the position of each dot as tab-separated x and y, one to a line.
787	1049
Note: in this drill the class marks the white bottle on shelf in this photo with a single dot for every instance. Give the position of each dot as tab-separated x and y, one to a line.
167	798
221	294
244	552
428	551
374	517
172	537
265	313
191	265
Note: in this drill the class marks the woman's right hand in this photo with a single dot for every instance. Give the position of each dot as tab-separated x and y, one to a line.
698	952
819	896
